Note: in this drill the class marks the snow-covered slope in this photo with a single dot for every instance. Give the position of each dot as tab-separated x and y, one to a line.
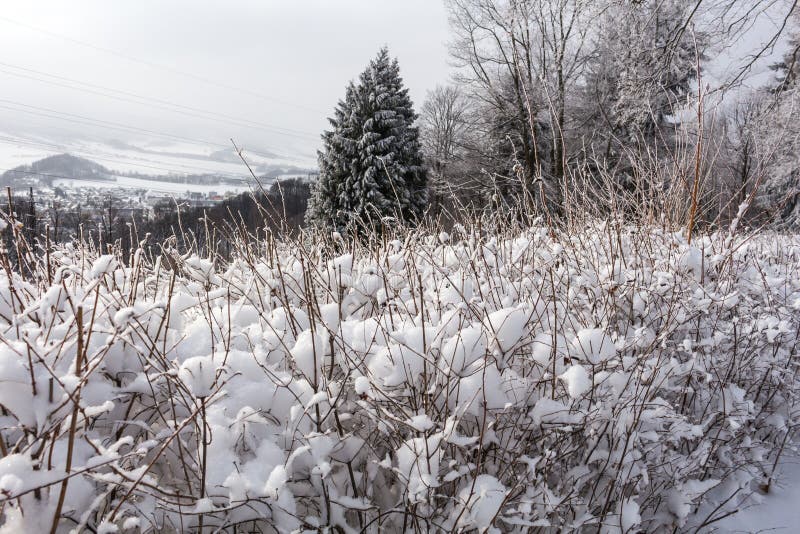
149	157
172	188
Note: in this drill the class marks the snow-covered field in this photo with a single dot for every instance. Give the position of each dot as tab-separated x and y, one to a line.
613	379
144	158
177	189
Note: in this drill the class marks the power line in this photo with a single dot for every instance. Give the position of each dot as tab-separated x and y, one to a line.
73	179
59	176
103	157
134	98
81	119
159	66
88	121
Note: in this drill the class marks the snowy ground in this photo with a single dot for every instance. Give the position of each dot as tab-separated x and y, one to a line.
173	188
143	158
778	511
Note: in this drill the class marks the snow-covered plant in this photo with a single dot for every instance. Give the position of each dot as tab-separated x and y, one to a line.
371	162
615	379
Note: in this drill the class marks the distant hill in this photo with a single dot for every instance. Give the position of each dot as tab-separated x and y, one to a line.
44	171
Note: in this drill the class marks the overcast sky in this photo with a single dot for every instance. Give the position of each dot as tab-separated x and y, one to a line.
265	72
274	63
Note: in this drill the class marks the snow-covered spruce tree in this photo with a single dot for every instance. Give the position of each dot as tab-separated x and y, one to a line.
334	162
371	163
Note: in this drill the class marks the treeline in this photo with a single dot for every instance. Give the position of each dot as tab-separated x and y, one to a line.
278	208
563	110
611	106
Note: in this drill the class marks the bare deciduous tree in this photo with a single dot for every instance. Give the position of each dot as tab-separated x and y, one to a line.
521	60
443	125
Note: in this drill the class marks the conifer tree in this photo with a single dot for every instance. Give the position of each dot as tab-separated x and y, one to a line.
371	161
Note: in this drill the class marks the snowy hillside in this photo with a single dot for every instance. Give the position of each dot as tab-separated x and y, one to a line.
172	188
150	157
608	380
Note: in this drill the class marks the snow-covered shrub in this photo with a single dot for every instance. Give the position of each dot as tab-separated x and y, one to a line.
613	379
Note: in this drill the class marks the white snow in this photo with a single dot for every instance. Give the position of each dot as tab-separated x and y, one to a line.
418	466
421	422
337	385
577	380
103	265
308	353
507	326
463	349
479	502
777	511
176	189
199	374
593	345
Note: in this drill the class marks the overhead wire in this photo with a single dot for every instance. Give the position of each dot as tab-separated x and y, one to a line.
73	179
105	157
164	105
152	64
81	119
126	96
